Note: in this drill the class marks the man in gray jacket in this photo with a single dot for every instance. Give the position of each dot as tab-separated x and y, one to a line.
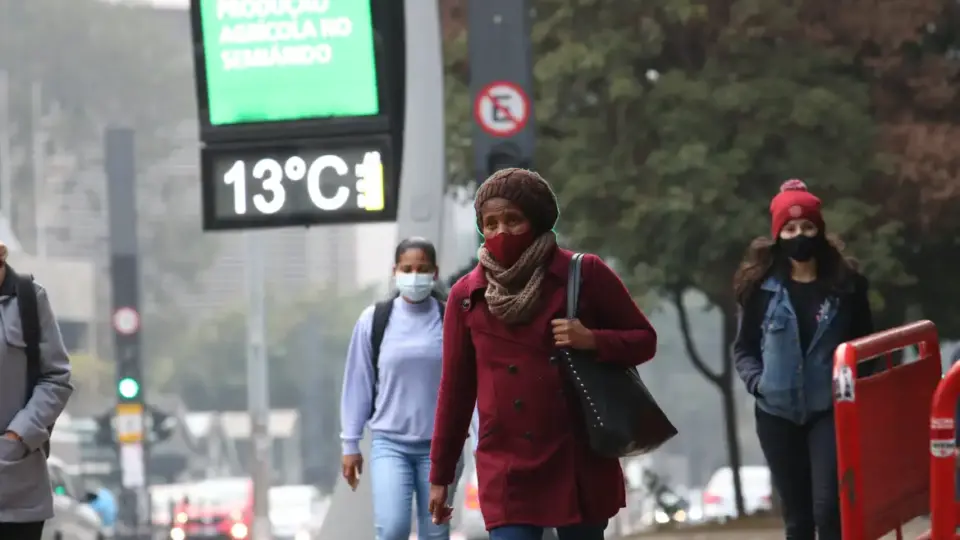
31	399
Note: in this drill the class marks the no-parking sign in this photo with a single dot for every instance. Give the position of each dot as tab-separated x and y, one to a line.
501	109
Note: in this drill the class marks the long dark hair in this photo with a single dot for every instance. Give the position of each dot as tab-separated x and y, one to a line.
835	271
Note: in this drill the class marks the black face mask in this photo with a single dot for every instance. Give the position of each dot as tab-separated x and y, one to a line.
801	248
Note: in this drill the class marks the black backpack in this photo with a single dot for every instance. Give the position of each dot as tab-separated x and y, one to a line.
30	323
381	316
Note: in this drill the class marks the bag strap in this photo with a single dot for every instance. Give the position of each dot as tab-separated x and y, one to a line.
30	323
381	317
30	326
573	285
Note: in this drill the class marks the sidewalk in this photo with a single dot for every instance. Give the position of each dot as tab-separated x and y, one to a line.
911	531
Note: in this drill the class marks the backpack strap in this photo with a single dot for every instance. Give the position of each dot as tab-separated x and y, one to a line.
441	303
30	325
381	316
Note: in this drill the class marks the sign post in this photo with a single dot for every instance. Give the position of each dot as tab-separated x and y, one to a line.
501	82
132	449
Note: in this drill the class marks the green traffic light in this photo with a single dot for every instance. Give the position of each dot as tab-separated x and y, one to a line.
128	388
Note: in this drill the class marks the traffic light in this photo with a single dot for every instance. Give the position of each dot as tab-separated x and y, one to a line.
504	156
129	384
162	425
128	388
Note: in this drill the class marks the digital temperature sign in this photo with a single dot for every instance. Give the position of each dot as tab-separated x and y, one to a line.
287	60
301	183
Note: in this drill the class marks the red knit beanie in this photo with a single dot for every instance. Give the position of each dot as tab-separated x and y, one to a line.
794	202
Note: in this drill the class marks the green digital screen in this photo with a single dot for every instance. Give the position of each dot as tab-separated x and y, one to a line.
288	60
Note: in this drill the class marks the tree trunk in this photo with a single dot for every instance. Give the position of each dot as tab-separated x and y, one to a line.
730	410
723	381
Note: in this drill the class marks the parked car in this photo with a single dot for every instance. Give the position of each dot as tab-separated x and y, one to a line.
73	517
718	497
297	512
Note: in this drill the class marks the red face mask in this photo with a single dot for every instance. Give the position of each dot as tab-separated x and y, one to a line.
507	248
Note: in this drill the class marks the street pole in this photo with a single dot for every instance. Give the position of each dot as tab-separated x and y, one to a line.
258	389
501	84
133	448
6	149
419	213
39	164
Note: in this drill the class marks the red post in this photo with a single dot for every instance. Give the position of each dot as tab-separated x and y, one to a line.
848	440
943	457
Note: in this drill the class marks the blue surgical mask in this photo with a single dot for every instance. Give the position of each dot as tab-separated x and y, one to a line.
415	287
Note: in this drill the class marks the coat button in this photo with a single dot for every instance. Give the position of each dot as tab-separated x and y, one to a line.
517	404
554	359
512	368
528	436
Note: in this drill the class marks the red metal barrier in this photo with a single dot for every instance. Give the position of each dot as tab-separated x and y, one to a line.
944	509
883	452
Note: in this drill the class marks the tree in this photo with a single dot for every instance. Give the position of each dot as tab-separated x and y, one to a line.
667	126
907	51
305	337
92	379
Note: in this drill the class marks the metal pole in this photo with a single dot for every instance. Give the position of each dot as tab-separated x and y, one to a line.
6	150
258	399
420	212
501	84
39	161
133	448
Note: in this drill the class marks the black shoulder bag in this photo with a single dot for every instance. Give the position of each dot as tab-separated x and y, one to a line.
622	417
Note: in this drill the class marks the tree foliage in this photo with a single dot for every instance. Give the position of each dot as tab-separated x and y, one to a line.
307	338
908	52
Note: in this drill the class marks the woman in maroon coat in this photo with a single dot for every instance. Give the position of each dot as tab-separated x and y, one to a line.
504	322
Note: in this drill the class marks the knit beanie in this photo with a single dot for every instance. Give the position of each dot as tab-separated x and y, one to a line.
524	188
794	202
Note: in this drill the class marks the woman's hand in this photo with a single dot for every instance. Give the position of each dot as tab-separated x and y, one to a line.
438	507
352	466
571	333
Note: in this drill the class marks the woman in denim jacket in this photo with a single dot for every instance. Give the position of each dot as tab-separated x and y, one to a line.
800	298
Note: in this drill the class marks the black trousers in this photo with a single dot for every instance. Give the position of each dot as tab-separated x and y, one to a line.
22	531
803	467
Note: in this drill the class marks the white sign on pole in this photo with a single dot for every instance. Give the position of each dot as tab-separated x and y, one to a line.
131	465
126	320
129	427
501	109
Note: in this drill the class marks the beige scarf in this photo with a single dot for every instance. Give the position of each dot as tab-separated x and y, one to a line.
512	293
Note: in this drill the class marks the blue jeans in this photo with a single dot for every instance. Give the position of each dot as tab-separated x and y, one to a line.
531	532
398	471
